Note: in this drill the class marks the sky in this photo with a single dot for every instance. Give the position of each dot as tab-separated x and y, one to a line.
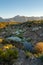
11	8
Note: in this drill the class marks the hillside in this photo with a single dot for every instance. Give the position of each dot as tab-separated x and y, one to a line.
4	24
19	18
21	43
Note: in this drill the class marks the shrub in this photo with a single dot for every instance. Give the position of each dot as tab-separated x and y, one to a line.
28	54
1	39
7	55
39	47
29	39
41	57
20	35
12	53
7	46
1	51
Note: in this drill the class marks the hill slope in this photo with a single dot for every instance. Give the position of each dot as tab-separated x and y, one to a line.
20	19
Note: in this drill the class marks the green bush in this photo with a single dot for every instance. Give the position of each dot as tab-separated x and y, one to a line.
29	39
41	57
1	51
12	53
28	54
8	55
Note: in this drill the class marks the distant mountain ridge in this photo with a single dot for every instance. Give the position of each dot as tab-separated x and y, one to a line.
20	19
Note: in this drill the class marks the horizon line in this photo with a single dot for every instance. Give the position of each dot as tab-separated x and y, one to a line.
19	15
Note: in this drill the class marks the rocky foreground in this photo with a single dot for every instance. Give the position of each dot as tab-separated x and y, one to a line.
24	37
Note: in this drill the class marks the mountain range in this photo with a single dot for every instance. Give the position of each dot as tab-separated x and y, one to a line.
20	18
